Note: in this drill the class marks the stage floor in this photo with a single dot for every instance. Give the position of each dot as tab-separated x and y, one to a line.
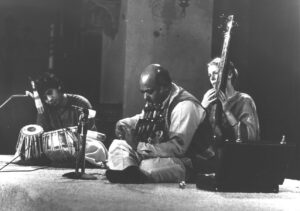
37	188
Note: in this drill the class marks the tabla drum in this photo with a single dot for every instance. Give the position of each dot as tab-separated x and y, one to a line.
91	135
60	145
29	144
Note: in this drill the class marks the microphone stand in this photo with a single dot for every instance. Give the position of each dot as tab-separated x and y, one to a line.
11	97
1	106
80	159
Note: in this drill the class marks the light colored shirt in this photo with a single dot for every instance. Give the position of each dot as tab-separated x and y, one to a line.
184	121
242	106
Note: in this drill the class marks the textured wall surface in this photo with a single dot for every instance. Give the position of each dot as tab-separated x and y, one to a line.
162	32
157	31
24	47
113	59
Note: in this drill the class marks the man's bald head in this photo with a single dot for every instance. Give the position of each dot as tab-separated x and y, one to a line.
156	74
155	83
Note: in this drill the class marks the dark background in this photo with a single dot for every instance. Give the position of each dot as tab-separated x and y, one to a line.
264	47
25	43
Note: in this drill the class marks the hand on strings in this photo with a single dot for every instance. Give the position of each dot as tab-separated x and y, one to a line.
131	138
120	130
233	121
125	132
224	100
209	98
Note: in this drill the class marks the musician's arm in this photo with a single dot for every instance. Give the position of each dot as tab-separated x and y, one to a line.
231	118
83	102
249	119
248	129
185	119
43	121
125	127
91	124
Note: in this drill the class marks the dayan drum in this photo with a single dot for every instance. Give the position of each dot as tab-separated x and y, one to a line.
91	134
62	145
29	144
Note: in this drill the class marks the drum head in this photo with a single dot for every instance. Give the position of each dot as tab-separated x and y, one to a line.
32	130
29	146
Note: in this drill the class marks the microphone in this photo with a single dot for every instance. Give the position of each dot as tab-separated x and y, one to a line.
37	100
91	113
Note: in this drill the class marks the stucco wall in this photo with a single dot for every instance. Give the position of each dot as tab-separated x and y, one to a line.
113	59
158	31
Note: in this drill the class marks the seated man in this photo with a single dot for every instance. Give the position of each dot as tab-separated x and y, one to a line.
57	111
58	106
153	145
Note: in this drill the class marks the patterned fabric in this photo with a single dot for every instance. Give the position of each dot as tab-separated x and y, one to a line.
152	126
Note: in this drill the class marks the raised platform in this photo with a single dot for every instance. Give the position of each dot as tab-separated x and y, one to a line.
44	188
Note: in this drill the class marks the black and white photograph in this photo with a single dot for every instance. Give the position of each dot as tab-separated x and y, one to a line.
149	105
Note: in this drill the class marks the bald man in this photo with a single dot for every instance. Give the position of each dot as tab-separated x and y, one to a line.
153	146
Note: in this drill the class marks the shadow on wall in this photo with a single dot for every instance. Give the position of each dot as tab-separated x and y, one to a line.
265	48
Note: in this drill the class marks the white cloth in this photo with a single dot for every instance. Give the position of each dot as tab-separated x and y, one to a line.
95	152
158	169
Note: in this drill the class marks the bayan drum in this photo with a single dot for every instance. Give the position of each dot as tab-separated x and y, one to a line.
91	135
29	145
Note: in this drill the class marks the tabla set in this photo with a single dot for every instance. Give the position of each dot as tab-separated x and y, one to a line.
60	145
